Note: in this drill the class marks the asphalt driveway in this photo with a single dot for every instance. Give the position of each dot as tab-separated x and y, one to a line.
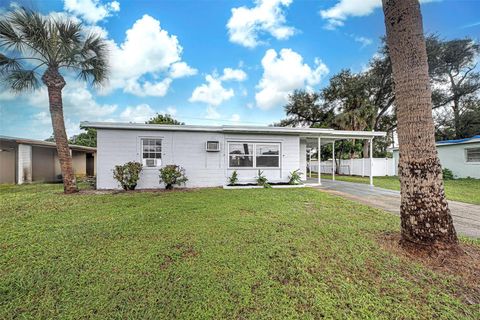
466	217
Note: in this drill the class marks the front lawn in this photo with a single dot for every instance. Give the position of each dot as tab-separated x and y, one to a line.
463	190
211	253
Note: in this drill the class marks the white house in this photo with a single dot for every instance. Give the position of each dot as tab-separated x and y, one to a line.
461	156
209	154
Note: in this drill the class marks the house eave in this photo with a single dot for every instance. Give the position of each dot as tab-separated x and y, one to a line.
303	132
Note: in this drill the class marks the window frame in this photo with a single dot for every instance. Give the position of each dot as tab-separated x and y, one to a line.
254	155
466	155
159	160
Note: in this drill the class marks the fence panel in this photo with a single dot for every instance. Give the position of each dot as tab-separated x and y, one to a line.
358	167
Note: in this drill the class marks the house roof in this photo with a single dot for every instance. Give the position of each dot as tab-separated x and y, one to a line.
41	143
459	141
474	139
304	132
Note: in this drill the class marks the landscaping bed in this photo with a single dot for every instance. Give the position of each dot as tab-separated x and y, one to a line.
256	186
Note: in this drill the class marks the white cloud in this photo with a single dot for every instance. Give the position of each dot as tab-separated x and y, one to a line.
172	111
233	74
139	113
212	92
284	73
42	118
181	69
212	113
77	101
246	24
235	117
91	11
344	9
364	41
43	121
147	52
147	88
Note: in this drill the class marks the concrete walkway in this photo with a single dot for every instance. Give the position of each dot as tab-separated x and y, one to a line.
466	217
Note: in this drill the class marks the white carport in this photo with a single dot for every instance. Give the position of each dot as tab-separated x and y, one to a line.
314	140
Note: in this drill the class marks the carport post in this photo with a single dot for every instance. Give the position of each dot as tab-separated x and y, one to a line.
319	152
333	163
371	162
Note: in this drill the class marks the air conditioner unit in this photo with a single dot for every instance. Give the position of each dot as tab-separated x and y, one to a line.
213	146
150	162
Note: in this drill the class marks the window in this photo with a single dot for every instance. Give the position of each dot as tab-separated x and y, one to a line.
267	155
151	152
240	155
254	155
473	154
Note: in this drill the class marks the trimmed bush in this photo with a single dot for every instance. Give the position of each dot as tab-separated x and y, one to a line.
172	175
128	174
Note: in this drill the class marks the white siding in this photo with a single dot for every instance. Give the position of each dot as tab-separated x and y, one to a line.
24	162
187	149
453	157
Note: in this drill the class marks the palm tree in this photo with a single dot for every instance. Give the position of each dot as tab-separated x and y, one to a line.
425	216
35	46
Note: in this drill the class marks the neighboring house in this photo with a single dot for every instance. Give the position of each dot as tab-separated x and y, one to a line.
209	154
461	156
27	160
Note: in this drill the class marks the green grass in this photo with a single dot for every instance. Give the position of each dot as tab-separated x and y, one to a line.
211	253
463	190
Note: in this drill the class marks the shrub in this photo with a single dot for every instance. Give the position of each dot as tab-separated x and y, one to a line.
262	180
447	174
295	177
233	179
128	174
172	175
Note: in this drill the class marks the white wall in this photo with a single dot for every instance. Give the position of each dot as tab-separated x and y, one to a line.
359	167
187	149
453	157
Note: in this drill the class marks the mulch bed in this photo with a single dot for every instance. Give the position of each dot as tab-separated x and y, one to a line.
462	261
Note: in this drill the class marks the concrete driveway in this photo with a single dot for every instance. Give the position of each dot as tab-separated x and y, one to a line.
466	217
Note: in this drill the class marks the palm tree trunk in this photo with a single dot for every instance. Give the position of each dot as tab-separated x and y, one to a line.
55	83
425	216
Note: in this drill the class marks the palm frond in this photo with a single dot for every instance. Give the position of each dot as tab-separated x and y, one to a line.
8	65
68	36
9	39
22	80
94	70
33	29
91	59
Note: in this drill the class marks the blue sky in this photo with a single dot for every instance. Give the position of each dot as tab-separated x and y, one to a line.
216	62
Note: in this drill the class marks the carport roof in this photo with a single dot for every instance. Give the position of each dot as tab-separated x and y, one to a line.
47	144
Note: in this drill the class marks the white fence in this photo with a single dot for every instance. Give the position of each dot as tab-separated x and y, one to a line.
358	167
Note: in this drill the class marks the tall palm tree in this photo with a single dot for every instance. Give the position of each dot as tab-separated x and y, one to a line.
37	47
425	216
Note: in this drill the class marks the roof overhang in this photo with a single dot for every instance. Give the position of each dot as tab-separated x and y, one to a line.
45	144
302	132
